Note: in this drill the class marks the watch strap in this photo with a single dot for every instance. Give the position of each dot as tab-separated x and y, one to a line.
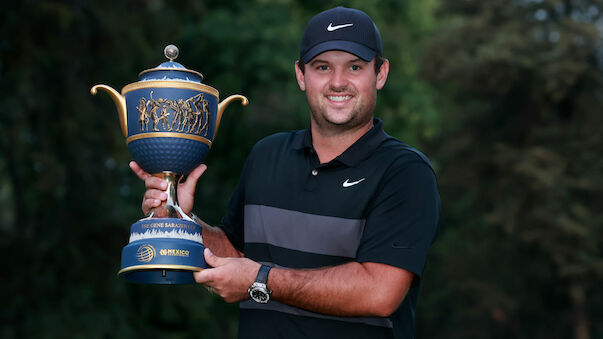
263	274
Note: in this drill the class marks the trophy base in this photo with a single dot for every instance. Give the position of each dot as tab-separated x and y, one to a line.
160	276
163	253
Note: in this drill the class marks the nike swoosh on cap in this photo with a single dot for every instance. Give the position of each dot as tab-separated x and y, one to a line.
332	28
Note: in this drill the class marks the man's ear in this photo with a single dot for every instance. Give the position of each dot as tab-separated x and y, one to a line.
382	75
301	80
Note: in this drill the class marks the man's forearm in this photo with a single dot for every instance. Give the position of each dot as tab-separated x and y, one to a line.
216	240
352	289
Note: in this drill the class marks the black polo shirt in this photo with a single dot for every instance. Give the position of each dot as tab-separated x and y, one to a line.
376	202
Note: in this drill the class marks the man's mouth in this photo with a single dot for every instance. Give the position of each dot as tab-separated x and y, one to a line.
339	98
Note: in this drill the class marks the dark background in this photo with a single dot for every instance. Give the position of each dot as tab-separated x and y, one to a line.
505	98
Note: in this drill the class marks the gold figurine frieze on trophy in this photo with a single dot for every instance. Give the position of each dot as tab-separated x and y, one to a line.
189	115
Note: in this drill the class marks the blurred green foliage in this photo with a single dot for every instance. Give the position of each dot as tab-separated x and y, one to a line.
520	149
504	97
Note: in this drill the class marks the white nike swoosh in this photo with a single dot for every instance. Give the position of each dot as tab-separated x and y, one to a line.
347	182
332	28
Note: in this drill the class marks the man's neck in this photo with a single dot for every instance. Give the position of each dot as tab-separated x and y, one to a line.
329	145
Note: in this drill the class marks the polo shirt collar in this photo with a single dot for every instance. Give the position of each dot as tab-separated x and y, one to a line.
360	150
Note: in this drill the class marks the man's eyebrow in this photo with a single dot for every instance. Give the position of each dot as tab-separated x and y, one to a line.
316	61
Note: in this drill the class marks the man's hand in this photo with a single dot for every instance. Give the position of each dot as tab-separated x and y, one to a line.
229	278
156	187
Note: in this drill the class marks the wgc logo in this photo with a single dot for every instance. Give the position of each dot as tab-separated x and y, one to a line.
145	253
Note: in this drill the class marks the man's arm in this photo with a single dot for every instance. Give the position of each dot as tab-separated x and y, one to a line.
351	289
216	240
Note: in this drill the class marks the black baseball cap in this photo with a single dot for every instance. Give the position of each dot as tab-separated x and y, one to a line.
343	29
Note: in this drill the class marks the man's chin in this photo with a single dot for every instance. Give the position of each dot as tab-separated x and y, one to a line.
341	122
340	118
342	125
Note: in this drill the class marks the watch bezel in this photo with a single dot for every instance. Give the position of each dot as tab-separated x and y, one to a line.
259	287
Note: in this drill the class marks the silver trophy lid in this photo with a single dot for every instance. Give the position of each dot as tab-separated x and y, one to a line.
171	70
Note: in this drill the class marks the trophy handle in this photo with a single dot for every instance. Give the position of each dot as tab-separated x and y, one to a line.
120	103
222	107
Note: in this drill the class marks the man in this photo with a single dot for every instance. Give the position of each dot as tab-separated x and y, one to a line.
327	232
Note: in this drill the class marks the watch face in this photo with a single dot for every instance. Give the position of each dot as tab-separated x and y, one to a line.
258	295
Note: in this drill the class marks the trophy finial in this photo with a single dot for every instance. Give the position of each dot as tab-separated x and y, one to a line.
171	52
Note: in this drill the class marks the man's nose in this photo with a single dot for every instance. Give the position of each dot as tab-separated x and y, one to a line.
339	80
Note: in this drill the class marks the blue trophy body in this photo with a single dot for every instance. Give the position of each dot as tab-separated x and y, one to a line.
170	119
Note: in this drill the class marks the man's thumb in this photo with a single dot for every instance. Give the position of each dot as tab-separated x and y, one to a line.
211	259
193	177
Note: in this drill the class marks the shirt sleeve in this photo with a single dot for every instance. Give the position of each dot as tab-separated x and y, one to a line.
404	218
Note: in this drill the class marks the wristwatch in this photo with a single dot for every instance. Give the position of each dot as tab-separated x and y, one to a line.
258	291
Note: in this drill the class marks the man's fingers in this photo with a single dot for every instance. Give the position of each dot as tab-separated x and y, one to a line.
205	276
148	204
155	194
210	274
138	170
152	182
192	178
152	198
202	277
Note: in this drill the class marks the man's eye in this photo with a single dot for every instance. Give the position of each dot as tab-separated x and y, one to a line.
355	67
323	67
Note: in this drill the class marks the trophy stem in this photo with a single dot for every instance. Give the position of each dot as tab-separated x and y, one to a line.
170	208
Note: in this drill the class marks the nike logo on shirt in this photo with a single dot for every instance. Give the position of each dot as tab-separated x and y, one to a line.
332	28
347	182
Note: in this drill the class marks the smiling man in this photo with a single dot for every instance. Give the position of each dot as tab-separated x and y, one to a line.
328	229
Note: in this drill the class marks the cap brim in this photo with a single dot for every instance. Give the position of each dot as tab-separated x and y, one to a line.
357	49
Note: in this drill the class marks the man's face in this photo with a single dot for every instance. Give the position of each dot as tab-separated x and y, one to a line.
341	90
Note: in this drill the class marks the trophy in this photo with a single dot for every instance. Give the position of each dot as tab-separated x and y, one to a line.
170	119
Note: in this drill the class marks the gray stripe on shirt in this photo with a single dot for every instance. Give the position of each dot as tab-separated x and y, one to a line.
303	231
